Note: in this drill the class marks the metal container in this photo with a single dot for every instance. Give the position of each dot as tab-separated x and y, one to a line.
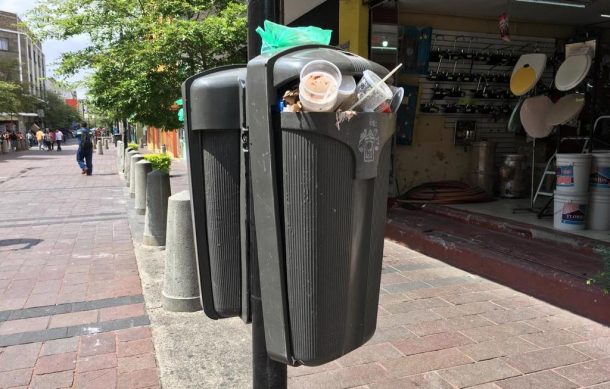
482	166
512	176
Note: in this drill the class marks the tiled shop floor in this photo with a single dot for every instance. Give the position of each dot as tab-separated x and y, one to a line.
71	304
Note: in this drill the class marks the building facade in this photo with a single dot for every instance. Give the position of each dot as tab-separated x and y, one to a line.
21	57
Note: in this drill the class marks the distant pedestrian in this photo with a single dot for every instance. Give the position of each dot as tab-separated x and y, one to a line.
30	139
59	137
39	138
46	140
84	155
12	137
52	139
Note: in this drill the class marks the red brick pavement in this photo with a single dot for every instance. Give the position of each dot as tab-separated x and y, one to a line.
64	238
440	327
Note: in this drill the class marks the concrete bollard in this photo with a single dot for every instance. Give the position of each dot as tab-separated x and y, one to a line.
127	167
142	169
119	156
100	148
106	146
124	158
180	282
155	222
132	174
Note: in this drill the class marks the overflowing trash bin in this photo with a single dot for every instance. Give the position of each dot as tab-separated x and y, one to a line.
318	124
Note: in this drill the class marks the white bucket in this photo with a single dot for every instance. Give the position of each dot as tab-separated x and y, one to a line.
599	211
570	211
599	179
573	171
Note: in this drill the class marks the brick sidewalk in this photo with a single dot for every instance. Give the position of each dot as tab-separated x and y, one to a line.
71	304
441	328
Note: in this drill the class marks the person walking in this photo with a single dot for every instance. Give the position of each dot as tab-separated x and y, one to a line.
46	140
30	138
13	139
59	137
52	139
39	138
84	154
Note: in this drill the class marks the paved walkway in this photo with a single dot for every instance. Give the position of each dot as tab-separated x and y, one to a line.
71	304
438	327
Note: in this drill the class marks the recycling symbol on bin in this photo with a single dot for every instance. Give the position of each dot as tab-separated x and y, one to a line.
369	143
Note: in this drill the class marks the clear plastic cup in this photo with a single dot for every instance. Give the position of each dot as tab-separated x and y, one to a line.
347	93
393	104
318	90
380	93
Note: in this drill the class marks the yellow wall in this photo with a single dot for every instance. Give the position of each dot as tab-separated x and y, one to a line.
433	156
354	27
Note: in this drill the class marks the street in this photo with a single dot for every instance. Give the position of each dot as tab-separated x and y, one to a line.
80	307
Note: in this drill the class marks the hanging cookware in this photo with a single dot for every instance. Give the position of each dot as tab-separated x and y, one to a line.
566	109
470	109
452	76
527	72
574	69
533	116
469	54
450	108
438	93
484	109
435	53
456	91
437	75
482	56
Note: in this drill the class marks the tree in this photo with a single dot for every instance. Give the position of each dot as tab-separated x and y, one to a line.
141	51
10	97
14	98
58	114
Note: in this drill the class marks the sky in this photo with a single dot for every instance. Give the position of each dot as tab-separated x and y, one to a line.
52	49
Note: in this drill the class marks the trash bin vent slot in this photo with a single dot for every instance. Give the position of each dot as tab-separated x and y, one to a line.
317	197
221	172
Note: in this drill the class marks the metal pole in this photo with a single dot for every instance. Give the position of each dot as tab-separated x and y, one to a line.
266	373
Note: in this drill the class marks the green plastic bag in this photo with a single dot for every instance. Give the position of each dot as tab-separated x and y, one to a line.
277	37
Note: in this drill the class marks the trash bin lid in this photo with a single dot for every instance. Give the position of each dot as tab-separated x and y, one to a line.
212	98
288	67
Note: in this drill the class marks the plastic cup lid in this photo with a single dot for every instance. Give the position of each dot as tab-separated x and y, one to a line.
533	116
572	72
566	109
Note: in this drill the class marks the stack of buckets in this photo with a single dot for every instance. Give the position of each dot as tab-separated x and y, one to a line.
575	207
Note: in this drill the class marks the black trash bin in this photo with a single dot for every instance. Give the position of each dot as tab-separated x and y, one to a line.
213	132
319	198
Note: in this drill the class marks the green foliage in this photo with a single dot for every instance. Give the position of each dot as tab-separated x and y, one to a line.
161	162
14	98
602	279
58	114
133	146
142	51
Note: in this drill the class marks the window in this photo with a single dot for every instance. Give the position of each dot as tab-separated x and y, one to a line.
3	44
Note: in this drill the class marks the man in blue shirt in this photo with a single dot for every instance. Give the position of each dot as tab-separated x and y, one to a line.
84	155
